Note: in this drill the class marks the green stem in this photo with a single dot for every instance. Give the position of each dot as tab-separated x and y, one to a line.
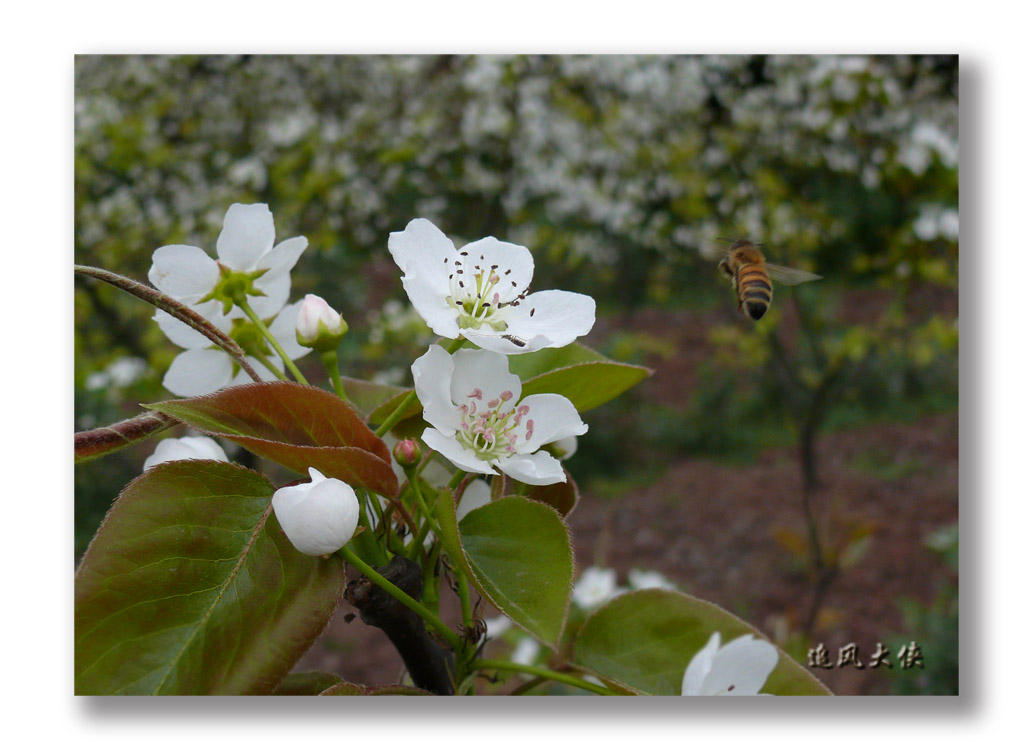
273	341
467	606
400	595
432	596
330	360
267	364
542	672
457	480
414	485
409	398
397	413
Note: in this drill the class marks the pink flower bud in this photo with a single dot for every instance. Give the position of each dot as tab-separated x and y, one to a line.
407	453
318	326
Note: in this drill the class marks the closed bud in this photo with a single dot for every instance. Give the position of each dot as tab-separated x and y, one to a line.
318	326
318	517
407	453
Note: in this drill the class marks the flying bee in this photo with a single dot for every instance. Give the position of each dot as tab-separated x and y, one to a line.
745	266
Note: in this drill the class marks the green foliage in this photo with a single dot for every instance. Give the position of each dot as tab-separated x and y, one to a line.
191	587
645	639
935	627
294	425
518	554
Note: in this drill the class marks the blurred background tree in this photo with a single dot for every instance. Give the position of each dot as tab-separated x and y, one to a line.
619	172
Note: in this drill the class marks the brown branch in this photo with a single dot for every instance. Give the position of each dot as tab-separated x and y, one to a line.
174	308
430	666
91	444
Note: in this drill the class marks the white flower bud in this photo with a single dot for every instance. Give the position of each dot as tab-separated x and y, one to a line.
318	326
189	447
318	517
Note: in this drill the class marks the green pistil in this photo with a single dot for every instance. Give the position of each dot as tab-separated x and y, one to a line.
478	310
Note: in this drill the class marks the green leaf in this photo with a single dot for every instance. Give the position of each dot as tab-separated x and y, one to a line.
644	640
562	496
580	373
351	689
518	556
295	425
528	365
367	396
191	587
307	683
588	385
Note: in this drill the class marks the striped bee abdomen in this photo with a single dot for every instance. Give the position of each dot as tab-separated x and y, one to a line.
754	290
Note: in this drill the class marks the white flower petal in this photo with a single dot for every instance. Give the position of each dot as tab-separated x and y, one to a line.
595	586
432	377
265	374
514	265
560	316
184	336
198	371
700	666
318	517
452	450
183	272
420	250
283	330
535	468
247	236
189	447
500	342
554	417
276	283
476	495
740	668
484	371
431	304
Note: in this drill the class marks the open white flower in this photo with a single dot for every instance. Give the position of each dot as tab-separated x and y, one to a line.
595	587
189	447
246	258
318	517
740	668
203	368
479	421
482	292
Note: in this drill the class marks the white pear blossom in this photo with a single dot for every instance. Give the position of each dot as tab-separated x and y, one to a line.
246	257
476	495
482	292
740	668
595	587
318	517
189	447
642	579
203	368
479	421
526	652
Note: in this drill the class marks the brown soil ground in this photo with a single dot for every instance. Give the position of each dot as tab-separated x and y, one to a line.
715	529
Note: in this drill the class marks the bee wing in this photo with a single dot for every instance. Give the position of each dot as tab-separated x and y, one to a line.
710	252
790	276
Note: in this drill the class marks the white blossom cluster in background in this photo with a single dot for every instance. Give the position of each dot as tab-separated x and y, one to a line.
518	127
615	163
597	585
